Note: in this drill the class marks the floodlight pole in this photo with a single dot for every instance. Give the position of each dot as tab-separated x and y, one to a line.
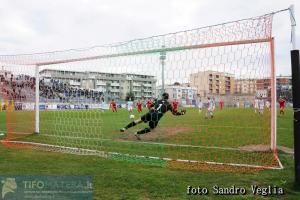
37	99
296	96
162	58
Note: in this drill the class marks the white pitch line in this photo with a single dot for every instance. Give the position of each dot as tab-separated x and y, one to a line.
104	154
21	133
71	137
206	162
150	143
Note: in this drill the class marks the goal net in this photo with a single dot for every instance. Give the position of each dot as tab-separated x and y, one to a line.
222	75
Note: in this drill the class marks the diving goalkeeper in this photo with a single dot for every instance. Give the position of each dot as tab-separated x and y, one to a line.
157	111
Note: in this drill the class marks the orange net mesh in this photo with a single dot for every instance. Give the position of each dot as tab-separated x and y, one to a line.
222	75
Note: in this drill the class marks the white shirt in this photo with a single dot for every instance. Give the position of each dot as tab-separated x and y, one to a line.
261	104
200	104
256	103
211	105
129	104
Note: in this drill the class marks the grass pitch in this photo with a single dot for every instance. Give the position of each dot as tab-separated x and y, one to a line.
237	136
123	180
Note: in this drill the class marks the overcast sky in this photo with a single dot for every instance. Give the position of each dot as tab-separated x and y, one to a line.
47	25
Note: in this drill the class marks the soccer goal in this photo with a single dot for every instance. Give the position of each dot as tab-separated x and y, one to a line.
222	75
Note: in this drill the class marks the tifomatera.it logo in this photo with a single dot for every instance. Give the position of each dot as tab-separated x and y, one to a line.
9	185
46	187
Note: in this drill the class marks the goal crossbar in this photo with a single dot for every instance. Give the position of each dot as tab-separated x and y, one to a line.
151	51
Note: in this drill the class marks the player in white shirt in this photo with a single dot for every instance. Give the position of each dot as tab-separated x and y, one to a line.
268	105
130	105
237	104
261	106
103	106
256	105
211	108
200	105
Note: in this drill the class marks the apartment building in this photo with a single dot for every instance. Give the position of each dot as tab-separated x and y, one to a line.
213	83
113	85
245	86
184	94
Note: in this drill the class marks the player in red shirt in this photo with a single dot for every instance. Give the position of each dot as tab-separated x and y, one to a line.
149	104
139	106
175	105
221	104
281	105
113	105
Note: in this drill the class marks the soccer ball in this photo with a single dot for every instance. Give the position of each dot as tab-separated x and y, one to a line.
131	116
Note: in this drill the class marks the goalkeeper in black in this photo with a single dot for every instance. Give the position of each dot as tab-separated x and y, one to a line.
157	111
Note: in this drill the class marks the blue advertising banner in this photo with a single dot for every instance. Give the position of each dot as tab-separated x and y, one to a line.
42	107
46	187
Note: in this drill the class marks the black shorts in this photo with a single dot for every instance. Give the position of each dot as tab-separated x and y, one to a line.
152	118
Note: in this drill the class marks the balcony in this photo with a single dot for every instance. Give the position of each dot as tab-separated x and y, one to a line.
75	83
114	90
45	75
67	75
136	90
147	85
136	84
100	83
100	89
151	79
115	84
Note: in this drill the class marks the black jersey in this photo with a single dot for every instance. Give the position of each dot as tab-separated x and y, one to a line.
160	107
163	106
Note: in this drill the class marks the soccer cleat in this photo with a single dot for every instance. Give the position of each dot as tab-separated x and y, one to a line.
123	129
137	136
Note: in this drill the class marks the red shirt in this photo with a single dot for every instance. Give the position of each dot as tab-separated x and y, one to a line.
175	105
149	104
282	103
139	104
113	104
